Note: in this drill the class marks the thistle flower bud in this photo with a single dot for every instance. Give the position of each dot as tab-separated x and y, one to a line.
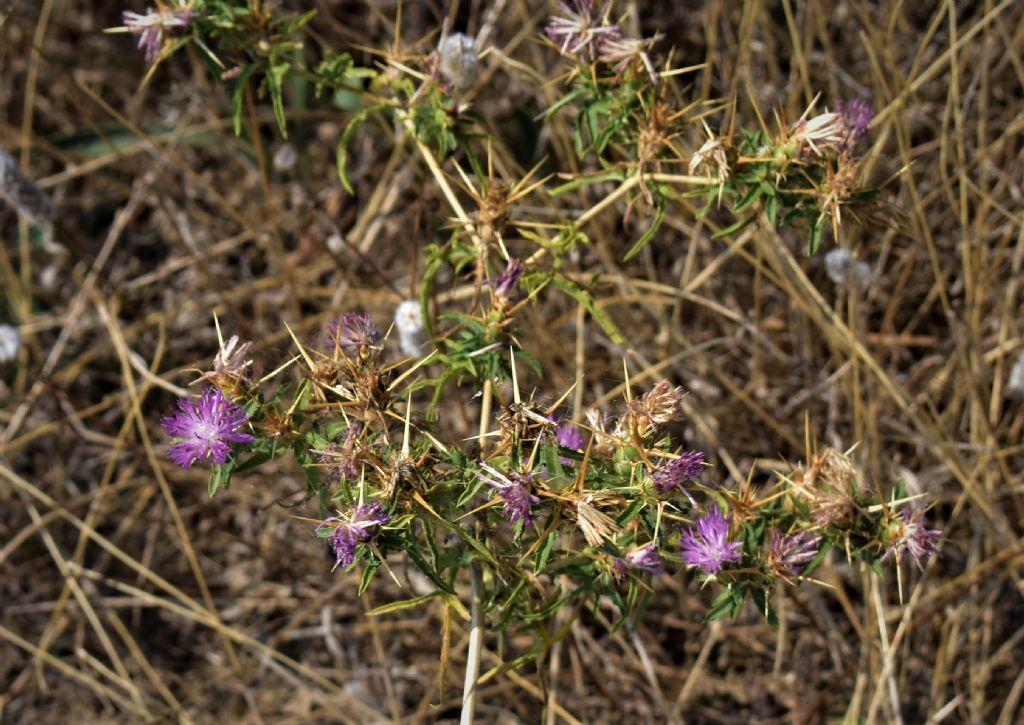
409	323
10	342
459	61
23	194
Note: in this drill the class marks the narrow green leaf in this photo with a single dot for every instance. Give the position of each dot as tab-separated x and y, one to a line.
401	604
647	236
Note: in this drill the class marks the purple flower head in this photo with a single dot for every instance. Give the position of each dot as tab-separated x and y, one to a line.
362	525
507	282
354	332
514	491
646	558
151	28
857	115
707	546
342	460
789	553
578	30
569	436
205	429
671	475
911	536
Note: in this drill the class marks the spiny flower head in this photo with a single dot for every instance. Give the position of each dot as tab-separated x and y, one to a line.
569	436
646	558
909	535
660	405
361	525
672	475
624	52
205	429
151	27
514	489
789	553
342	460
711	156
354	332
823	134
578	30
707	546
229	364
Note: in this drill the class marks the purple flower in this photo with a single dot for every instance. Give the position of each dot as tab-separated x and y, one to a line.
646	558
910	535
857	115
671	475
707	546
342	460
360	526
579	30
514	490
151	27
569	436
508	281
354	332
205	429
789	553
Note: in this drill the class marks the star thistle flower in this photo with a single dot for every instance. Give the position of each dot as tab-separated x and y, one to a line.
789	553
205	429
910	536
508	281
647	559
514	490
354	332
151	28
671	475
823	134
857	115
366	518
342	460
707	546
578	30
622	52
660	405
229	364
569	436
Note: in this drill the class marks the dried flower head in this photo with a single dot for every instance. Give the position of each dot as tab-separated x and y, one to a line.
646	559
660	405
707	546
907	534
205	429
823	134
151	27
10	342
459	61
409	323
578	30
711	156
362	524
829	488
229	364
18	190
342	460
354	332
625	52
787	554
514	489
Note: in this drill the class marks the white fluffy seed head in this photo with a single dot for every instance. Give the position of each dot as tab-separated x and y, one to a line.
409	324
844	270
10	342
459	60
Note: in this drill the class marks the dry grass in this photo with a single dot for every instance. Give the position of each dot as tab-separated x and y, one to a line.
128	595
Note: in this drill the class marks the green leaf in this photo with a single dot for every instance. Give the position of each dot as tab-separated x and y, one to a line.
732	228
275	84
346	137
220	476
583	297
817	231
238	97
727	603
659	217
402	604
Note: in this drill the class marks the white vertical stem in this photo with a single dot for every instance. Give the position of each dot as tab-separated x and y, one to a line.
476	634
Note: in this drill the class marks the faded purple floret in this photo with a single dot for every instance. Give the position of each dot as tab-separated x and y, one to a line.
569	436
362	525
707	546
206	429
789	553
341	459
514	490
578	30
672	475
857	115
507	282
151	28
646	558
913	538
354	331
